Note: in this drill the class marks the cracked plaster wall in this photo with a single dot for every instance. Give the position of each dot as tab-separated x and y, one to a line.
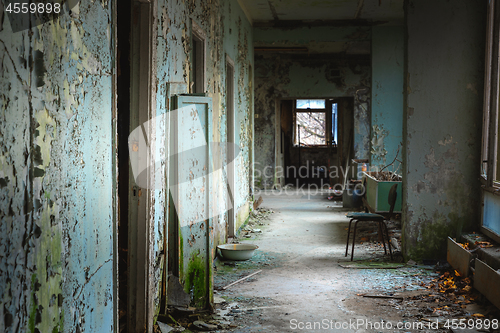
443	120
56	192
304	76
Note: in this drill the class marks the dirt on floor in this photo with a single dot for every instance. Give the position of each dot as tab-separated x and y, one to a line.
307	284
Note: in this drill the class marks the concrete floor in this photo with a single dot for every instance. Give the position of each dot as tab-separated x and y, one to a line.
304	283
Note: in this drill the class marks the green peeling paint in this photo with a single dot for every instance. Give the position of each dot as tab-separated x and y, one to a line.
32	317
48	263
60	325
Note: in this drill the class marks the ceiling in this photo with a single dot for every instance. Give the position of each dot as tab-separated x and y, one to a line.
264	12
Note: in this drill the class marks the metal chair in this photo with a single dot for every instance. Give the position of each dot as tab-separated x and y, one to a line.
370	217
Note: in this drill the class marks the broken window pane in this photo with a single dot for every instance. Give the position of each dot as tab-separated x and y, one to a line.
310	104
310	128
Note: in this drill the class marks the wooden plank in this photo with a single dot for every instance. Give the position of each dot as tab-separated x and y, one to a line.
242	279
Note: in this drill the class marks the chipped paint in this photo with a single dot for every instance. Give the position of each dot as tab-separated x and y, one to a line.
442	124
387	94
301	76
56	170
378	151
228	32
56	162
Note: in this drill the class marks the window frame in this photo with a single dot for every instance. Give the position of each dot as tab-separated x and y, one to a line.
328	122
308	110
489	165
490	155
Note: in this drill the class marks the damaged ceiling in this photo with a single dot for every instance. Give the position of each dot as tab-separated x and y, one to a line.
278	12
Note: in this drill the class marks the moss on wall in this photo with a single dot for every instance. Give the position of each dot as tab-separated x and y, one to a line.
195	282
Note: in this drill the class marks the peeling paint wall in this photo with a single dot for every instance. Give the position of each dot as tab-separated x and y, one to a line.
281	75
443	120
227	32
56	157
387	95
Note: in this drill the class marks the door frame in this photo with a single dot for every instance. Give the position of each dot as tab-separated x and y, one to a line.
141	285
230	138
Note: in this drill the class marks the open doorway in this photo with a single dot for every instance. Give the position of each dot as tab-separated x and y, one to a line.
135	107
123	128
314	140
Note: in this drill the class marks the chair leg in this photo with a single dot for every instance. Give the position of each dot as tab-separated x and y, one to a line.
354	239
388	239
348	233
381	234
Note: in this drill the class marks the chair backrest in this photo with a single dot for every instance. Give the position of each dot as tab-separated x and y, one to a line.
393	195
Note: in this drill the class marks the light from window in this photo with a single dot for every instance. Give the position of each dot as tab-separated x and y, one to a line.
310	104
310	128
334	125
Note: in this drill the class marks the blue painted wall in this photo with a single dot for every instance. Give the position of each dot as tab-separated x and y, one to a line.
57	151
442	126
296	75
387	95
491	212
228	33
56	165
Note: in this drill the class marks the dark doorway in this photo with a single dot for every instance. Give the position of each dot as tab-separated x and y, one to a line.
123	128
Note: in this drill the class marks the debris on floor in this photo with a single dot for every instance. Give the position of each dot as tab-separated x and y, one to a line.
258	218
301	279
441	298
368	239
257	203
194	322
202	326
164	328
371	265
228	271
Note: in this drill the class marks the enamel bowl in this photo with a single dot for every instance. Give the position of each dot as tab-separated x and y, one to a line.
237	251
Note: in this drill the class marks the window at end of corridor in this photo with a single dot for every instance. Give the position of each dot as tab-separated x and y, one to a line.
315	124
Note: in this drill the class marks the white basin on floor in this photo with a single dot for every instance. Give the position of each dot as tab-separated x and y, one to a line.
237	251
